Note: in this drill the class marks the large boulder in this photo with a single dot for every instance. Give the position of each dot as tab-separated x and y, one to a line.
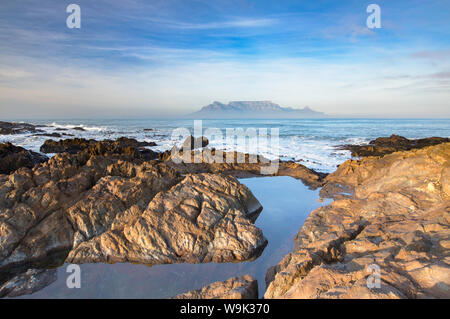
204	218
81	208
389	237
14	157
244	287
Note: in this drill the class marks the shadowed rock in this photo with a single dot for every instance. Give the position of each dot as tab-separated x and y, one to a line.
7	128
27	283
191	143
396	220
14	157
387	145
121	146
244	287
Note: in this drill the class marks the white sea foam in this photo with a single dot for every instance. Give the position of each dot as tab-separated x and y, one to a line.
312	143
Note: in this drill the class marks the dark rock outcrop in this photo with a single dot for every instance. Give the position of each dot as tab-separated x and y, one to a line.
244	287
191	143
14	157
395	222
7	128
387	145
121	146
28	282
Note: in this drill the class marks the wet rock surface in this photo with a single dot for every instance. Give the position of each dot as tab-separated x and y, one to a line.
28	282
121	146
14	157
244	287
387	145
395	223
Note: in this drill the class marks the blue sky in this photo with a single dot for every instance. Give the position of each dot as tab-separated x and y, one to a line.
163	58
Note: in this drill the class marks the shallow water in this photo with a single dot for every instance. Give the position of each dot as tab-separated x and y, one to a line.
287	203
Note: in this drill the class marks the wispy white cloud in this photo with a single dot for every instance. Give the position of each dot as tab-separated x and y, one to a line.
232	23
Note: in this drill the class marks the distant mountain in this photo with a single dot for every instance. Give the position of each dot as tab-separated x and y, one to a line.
253	109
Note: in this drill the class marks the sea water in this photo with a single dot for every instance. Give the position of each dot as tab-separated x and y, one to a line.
311	142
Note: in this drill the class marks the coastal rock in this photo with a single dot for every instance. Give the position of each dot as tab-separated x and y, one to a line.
237	164
27	283
394	226
204	218
191	143
84	208
14	157
8	128
387	145
244	287
121	146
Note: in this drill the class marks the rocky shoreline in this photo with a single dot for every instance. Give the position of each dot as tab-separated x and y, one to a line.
118	201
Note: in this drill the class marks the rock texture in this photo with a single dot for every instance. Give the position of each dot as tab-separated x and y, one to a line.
204	218
14	157
191	143
396	217
27	283
237	164
387	145
87	208
121	146
7	128
244	287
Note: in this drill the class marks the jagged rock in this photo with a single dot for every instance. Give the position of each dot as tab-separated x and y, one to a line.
121	146
7	128
191	143
244	287
14	157
27	283
204	218
387	145
239	165
104	209
396	218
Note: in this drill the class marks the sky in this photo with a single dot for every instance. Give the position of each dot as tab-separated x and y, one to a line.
162	58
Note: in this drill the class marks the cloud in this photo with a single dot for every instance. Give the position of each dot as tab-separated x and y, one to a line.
234	23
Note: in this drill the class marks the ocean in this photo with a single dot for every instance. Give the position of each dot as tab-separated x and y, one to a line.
311	142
